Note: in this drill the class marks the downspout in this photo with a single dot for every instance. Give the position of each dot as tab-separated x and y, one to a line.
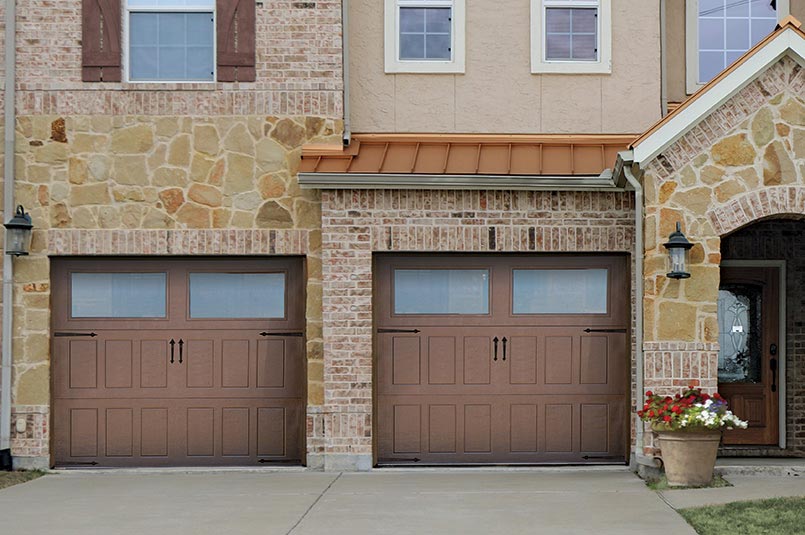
347	139
625	162
8	208
663	62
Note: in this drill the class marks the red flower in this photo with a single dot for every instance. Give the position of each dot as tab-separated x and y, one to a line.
640	413
705	397
649	394
646	407
666	418
651	414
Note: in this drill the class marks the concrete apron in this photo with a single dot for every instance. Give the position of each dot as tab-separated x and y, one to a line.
384	501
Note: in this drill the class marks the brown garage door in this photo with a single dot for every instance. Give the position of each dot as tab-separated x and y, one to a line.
502	359
170	362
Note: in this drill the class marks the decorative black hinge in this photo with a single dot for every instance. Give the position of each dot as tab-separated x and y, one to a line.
594	457
399	460
296	334
78	463
63	334
280	461
605	330
386	331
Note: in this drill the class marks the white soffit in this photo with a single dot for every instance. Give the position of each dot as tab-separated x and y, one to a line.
789	42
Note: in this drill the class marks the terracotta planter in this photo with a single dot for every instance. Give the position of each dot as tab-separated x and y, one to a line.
689	457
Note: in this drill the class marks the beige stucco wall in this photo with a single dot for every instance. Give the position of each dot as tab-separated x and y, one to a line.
497	92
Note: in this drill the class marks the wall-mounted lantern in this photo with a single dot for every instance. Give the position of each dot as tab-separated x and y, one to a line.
18	233
678	252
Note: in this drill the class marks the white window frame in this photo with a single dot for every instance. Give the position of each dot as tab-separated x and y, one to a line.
692	41
538	62
128	10
392	39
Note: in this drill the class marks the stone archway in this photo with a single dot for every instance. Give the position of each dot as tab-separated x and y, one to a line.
756	205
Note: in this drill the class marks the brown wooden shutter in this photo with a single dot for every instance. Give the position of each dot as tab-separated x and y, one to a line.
100	38
236	40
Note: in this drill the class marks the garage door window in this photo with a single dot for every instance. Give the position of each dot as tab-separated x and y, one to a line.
441	291
553	291
237	295
118	295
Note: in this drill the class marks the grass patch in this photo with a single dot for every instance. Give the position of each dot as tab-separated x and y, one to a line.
8	479
662	484
777	516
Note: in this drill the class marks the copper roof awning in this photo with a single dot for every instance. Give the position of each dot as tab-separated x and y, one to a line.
464	160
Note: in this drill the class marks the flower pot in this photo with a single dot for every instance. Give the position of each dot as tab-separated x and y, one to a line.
689	457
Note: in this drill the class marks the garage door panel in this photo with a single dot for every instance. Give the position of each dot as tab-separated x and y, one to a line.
595	427
235	363
235	431
442	428
523	425
523	360
119	432
199	359
118	364
558	427
406	360
83	364
478	428
154	432
407	435
154	365
477	360
558	360
83	432
442	360
594	360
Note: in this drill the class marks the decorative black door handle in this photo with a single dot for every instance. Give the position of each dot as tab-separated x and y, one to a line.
181	344
773	366
172	343
495	341
504	348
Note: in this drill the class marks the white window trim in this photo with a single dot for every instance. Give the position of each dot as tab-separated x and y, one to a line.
692	41
392	39
604	64
127	10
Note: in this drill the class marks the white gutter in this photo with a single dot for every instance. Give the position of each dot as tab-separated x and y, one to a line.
624	165
347	139
602	182
8	209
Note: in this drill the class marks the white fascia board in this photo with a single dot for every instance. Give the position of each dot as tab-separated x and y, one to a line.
787	43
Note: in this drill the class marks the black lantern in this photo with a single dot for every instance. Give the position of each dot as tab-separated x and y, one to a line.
18	233
678	250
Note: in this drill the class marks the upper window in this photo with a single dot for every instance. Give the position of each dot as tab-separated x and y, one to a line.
237	295
425	36
170	40
571	36
721	31
441	291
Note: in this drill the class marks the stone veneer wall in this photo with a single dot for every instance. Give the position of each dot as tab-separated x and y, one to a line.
358	223
782	240
157	185
742	163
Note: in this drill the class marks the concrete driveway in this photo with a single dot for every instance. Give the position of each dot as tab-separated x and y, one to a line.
381	502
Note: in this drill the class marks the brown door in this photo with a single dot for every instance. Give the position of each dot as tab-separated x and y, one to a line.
501	359
169	362
748	317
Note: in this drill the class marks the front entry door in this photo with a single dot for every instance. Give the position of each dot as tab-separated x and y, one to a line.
748	320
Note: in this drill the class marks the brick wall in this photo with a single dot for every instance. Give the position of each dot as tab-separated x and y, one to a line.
357	223
783	240
298	67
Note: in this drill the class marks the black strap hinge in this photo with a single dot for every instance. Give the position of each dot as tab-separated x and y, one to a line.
386	331
296	334
63	334
605	330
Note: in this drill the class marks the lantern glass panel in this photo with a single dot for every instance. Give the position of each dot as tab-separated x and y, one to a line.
18	241
678	260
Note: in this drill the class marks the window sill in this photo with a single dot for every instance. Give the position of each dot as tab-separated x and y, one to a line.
425	67
169	86
571	68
